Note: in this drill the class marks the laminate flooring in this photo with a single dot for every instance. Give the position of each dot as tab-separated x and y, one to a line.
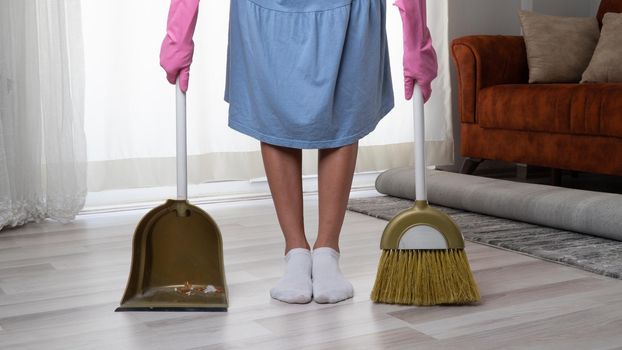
60	284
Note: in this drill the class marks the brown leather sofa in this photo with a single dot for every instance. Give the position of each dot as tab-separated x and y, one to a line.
575	127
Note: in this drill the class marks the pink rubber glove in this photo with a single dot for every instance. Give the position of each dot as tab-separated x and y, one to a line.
178	48
420	62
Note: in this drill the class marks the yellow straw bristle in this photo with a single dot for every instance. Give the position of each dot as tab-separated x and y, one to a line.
424	277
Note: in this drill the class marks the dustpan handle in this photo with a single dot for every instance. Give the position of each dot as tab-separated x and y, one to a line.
420	187
182	163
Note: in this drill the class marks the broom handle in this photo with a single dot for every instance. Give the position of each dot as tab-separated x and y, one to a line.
182	164
420	187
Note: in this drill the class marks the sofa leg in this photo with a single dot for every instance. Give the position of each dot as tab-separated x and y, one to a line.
470	164
556	177
526	171
522	171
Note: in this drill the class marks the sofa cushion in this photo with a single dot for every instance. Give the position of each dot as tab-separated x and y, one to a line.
606	63
558	48
589	109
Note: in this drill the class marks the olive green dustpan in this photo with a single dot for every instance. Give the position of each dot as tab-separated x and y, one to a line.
177	253
423	260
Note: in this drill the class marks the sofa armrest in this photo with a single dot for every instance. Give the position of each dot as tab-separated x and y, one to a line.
487	60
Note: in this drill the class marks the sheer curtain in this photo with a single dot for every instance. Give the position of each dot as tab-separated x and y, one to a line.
130	107
42	140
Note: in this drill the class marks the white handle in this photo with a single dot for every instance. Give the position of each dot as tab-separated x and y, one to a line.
182	164
420	187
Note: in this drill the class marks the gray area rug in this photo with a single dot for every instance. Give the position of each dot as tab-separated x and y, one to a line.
595	254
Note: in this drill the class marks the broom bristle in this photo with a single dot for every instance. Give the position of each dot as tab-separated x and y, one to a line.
424	277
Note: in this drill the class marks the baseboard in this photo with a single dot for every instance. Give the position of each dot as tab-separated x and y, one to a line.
208	193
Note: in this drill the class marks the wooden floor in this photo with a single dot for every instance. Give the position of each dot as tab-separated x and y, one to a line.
60	284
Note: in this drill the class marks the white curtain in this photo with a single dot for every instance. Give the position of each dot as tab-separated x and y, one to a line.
42	140
130	115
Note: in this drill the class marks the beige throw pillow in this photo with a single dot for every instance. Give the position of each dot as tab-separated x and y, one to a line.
606	64
558	48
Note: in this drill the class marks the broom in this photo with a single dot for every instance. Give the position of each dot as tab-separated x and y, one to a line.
423	261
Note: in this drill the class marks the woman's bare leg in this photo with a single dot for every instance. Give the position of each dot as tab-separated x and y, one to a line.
335	172
283	167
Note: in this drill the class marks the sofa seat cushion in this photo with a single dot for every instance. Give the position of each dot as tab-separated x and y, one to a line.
588	109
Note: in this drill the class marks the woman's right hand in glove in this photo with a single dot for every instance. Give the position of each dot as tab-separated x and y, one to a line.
420	61
178	48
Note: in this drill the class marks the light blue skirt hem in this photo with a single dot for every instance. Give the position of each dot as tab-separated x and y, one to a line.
273	140
320	78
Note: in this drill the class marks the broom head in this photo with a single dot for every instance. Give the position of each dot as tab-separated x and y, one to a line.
423	261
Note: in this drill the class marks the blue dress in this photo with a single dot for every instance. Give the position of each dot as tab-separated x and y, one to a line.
307	73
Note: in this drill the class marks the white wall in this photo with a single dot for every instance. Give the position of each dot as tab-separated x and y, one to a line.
578	8
472	17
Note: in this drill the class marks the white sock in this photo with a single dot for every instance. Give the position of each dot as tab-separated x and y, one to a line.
329	284
295	286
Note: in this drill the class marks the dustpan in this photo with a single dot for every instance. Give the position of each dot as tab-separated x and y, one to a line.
177	256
